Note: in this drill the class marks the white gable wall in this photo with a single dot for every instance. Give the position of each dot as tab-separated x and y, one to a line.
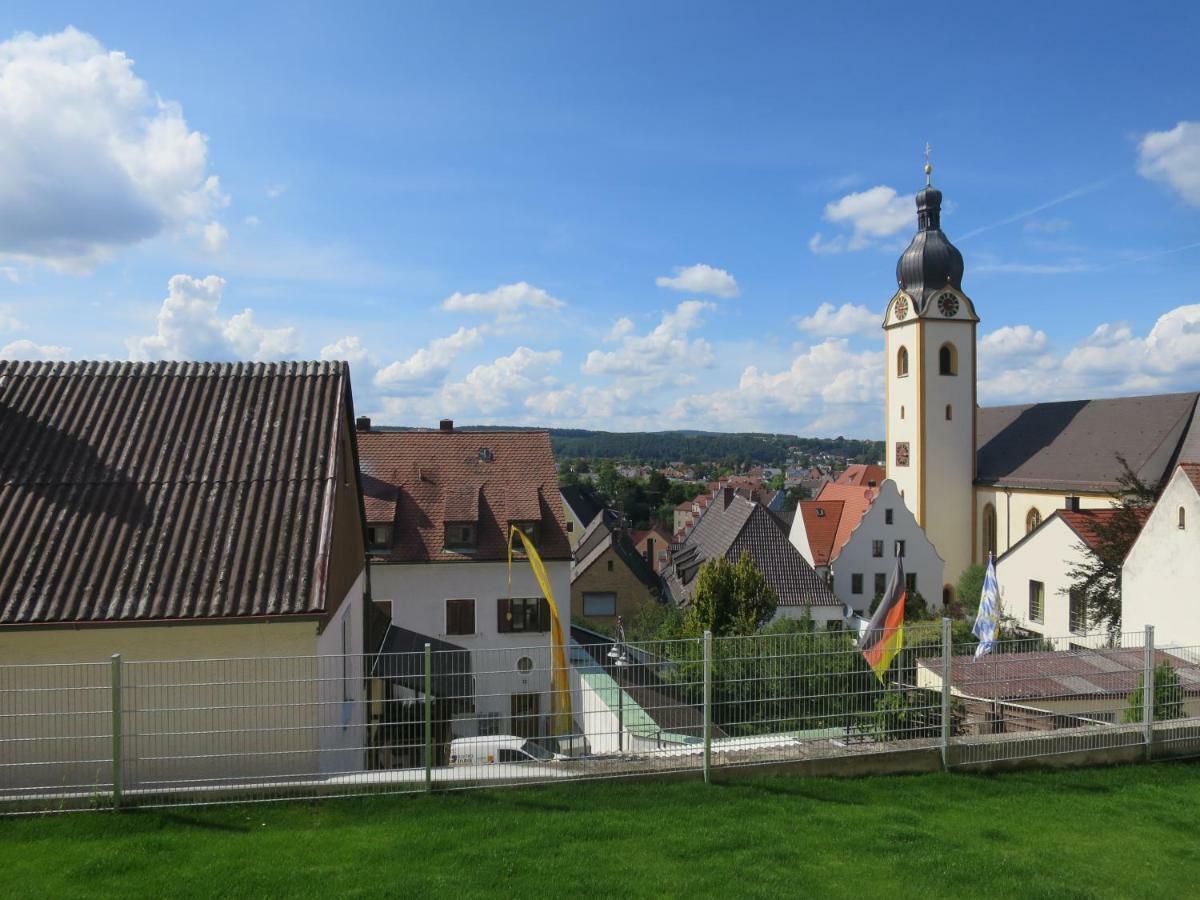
920	556
1160	582
1046	556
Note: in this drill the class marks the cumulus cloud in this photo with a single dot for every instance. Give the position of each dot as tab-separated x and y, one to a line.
189	326
872	214
92	159
428	367
841	321
1173	158
666	349
509	301
216	236
27	350
350	349
502	385
700	279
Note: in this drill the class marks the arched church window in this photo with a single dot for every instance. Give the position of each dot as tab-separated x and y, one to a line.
949	413
1032	520
948	360
989	530
902	362
1182	519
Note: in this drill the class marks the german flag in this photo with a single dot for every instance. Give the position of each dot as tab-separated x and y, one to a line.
885	633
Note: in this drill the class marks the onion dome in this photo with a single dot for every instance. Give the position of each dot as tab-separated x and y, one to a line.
931	262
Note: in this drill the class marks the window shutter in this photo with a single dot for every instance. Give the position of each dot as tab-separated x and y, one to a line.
503	615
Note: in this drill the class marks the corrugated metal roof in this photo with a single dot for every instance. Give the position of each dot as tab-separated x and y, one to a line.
137	491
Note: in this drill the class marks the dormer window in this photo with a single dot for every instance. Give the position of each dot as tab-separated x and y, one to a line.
530	530
460	536
379	538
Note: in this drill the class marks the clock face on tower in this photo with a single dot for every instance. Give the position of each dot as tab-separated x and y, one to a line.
902	308
948	305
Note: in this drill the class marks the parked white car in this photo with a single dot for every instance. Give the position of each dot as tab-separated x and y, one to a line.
498	748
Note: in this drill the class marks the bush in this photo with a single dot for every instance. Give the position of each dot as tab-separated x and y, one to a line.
1168	696
969	587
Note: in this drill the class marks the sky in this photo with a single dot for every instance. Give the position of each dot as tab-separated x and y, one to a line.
622	216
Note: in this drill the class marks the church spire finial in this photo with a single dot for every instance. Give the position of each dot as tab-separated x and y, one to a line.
928	165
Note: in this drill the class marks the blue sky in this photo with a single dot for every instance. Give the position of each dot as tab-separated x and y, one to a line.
602	215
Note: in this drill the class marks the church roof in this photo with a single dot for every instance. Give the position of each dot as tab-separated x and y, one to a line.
930	262
1073	445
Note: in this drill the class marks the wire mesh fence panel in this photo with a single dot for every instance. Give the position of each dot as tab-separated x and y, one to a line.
1045	696
149	733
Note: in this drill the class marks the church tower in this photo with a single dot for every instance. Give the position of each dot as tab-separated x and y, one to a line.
929	335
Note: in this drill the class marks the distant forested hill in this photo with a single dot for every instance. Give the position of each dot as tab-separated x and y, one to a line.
697	446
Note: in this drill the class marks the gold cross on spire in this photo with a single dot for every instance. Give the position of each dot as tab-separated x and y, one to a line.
928	164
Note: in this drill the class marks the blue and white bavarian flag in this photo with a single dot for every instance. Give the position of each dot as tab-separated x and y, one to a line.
987	622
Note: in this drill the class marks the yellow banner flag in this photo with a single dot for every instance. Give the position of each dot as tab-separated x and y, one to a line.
560	685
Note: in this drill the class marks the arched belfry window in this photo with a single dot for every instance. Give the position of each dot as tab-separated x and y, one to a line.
1033	520
989	531
948	360
902	362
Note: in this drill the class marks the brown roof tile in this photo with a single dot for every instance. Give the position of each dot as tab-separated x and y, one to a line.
510	473
821	519
856	501
1083	522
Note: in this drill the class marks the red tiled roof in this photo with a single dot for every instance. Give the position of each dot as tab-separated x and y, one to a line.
490	477
821	519
1192	471
1084	521
862	475
857	500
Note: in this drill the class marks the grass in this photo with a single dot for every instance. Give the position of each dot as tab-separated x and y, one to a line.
1112	832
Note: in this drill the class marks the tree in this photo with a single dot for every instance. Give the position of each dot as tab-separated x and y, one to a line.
608	480
730	598
1168	696
1097	577
970	586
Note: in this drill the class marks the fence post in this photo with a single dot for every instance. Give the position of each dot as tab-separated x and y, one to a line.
428	716
1148	693
946	653
707	704
118	729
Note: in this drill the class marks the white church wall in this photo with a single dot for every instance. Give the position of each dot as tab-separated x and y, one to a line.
1012	513
1161	578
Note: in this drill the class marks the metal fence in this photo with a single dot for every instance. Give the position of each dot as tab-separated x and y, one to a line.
150	733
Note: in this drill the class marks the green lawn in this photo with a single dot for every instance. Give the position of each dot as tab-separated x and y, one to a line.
1115	832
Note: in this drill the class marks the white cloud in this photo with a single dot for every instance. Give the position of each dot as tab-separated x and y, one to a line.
1173	157
428	367
667	349
189	326
872	214
351	349
700	279
275	191
9	322
28	350
505	302
253	221
622	327
501	386
841	321
216	236
92	160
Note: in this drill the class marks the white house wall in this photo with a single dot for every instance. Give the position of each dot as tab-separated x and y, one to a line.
1160	582
418	593
1046	556
343	701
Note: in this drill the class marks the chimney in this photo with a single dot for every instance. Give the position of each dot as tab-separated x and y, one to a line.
446	425
362	423
726	497
1072	504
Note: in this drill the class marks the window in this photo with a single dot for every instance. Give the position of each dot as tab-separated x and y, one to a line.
489	724
1076	612
910	582
511	756
856	583
989	531
610	565
877	548
947	360
379	538
525	665
522	614
1182	519
529	529
880	583
570	526
888	518
459	536
1032	520
1037	601
901	412
902	362
460	617
899	548
599	604
902	453
949	413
